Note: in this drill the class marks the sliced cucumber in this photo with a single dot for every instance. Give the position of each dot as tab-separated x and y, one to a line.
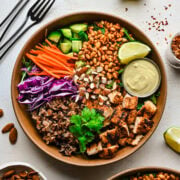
65	47
70	54
75	35
54	36
76	45
76	28
66	33
67	41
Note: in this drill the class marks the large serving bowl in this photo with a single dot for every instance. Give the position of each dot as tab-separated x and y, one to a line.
24	117
143	170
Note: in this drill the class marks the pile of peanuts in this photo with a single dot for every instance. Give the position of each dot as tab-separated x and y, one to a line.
158	176
102	48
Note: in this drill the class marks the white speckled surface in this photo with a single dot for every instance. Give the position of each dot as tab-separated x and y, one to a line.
154	152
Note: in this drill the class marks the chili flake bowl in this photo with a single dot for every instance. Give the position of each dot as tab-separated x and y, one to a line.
172	59
24	117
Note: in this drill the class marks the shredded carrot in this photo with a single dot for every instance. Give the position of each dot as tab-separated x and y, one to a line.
51	60
33	58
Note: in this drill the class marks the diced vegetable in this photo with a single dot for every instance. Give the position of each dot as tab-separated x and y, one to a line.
75	35
76	46
76	28
80	64
65	47
54	36
67	41
70	54
66	33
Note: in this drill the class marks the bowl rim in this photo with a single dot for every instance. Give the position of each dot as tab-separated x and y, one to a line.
143	169
44	27
15	163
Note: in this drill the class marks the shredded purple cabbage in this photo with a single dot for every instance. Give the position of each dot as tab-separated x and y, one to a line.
34	69
37	90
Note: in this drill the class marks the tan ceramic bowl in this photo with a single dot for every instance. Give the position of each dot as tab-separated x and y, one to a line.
21	110
131	172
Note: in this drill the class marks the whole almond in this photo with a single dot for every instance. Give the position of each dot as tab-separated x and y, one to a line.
1	113
35	177
13	135
7	127
8	173
30	174
23	174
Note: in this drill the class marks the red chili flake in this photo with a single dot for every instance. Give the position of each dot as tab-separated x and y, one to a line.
165	7
126	9
149	28
165	39
169	5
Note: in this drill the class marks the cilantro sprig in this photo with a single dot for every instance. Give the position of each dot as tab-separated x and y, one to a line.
85	126
28	64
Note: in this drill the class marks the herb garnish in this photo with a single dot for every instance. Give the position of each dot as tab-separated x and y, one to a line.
127	35
109	86
83	36
121	71
84	126
28	64
96	28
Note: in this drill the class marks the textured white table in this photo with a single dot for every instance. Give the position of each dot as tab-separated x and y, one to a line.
154	152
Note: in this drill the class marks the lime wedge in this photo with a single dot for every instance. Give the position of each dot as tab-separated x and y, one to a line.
132	50
172	138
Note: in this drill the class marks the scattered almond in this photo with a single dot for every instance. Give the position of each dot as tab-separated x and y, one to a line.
13	135
8	173
23	174
7	127
1	113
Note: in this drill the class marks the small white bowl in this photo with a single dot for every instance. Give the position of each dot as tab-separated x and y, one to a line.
18	167
172	59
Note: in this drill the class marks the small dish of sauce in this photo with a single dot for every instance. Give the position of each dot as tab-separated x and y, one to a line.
141	77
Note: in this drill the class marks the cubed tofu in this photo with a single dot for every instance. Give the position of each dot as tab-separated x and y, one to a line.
109	136
94	149
136	140
142	125
115	97
109	152
148	110
131	117
130	102
124	130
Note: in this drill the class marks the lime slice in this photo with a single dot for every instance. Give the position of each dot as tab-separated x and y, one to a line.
132	50
172	138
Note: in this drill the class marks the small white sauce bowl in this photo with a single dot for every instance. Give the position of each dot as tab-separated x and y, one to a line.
18	167
172	59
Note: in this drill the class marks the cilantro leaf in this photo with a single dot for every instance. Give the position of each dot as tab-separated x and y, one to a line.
85	125
83	36
109	86
127	35
121	71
